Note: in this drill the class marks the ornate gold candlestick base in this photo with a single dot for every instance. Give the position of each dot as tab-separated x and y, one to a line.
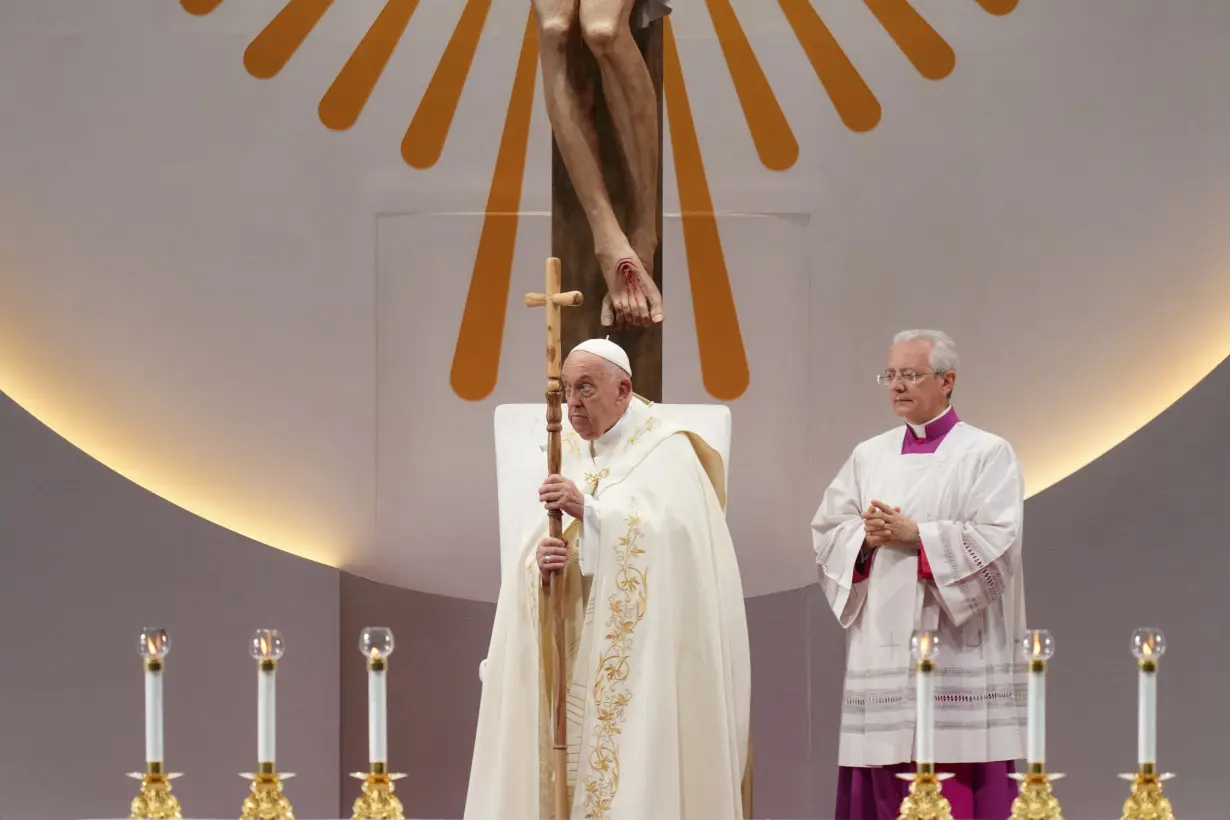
377	801
155	801
926	800
1147	801
267	802
1035	800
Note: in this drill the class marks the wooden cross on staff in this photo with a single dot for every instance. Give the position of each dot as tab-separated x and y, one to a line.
553	300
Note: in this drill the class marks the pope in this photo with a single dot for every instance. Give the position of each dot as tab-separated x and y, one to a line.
658	675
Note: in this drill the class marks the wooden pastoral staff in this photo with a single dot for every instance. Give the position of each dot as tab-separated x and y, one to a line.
553	301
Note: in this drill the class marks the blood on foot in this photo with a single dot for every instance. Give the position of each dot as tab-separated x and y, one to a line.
632	281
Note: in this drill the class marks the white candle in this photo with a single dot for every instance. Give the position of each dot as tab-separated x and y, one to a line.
376	644
1148	645
153	712
1038	647
377	726
926	716
1146	739
266	712
1037	713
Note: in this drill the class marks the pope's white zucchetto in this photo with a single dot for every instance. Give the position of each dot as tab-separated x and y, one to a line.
606	349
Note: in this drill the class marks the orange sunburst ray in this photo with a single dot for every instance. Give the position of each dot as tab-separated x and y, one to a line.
920	43
200	7
771	133
344	101
424	140
272	49
476	359
998	7
723	359
856	105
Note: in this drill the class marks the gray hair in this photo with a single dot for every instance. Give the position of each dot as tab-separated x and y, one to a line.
943	354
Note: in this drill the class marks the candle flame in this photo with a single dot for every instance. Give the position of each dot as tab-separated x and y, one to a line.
151	646
1146	647
375	653
1037	645
264	646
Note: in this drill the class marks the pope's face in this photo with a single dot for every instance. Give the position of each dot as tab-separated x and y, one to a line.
597	393
927	396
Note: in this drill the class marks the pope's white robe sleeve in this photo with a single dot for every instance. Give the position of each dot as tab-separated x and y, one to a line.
837	537
971	558
591	535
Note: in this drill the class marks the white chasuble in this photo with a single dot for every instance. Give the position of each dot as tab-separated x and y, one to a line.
659	673
967	499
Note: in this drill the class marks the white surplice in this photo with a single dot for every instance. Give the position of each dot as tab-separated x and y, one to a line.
967	499
658	666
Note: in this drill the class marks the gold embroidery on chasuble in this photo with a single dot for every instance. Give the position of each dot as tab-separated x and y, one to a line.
647	426
592	479
625	608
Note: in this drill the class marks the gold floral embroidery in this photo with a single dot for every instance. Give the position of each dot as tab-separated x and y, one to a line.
592	479
625	609
648	425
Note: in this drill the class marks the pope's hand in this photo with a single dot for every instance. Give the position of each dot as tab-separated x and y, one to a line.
886	525
558	493
552	556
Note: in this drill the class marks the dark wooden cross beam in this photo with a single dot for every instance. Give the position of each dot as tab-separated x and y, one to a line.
573	244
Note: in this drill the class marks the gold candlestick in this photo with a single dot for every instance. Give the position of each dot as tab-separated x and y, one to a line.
1035	800
267	802
926	800
377	801
155	801
1147	801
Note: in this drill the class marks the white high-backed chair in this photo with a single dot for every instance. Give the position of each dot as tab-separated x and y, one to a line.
521	461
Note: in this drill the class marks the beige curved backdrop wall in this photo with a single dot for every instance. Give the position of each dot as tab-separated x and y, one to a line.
86	560
254	314
233	265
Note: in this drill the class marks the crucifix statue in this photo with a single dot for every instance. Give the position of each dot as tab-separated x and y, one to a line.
573	35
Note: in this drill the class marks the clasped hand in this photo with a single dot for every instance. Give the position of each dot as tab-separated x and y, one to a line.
558	493
552	554
886	525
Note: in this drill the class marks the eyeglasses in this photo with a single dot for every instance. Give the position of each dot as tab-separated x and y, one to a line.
908	377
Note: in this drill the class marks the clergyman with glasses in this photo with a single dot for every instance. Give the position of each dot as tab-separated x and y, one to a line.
921	529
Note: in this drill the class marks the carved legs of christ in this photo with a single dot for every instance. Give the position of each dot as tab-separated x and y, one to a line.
626	258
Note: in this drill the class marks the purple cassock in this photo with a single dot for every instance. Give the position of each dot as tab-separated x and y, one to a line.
977	791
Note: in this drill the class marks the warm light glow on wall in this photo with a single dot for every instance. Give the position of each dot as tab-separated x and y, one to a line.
1132	400
1139	397
68	416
